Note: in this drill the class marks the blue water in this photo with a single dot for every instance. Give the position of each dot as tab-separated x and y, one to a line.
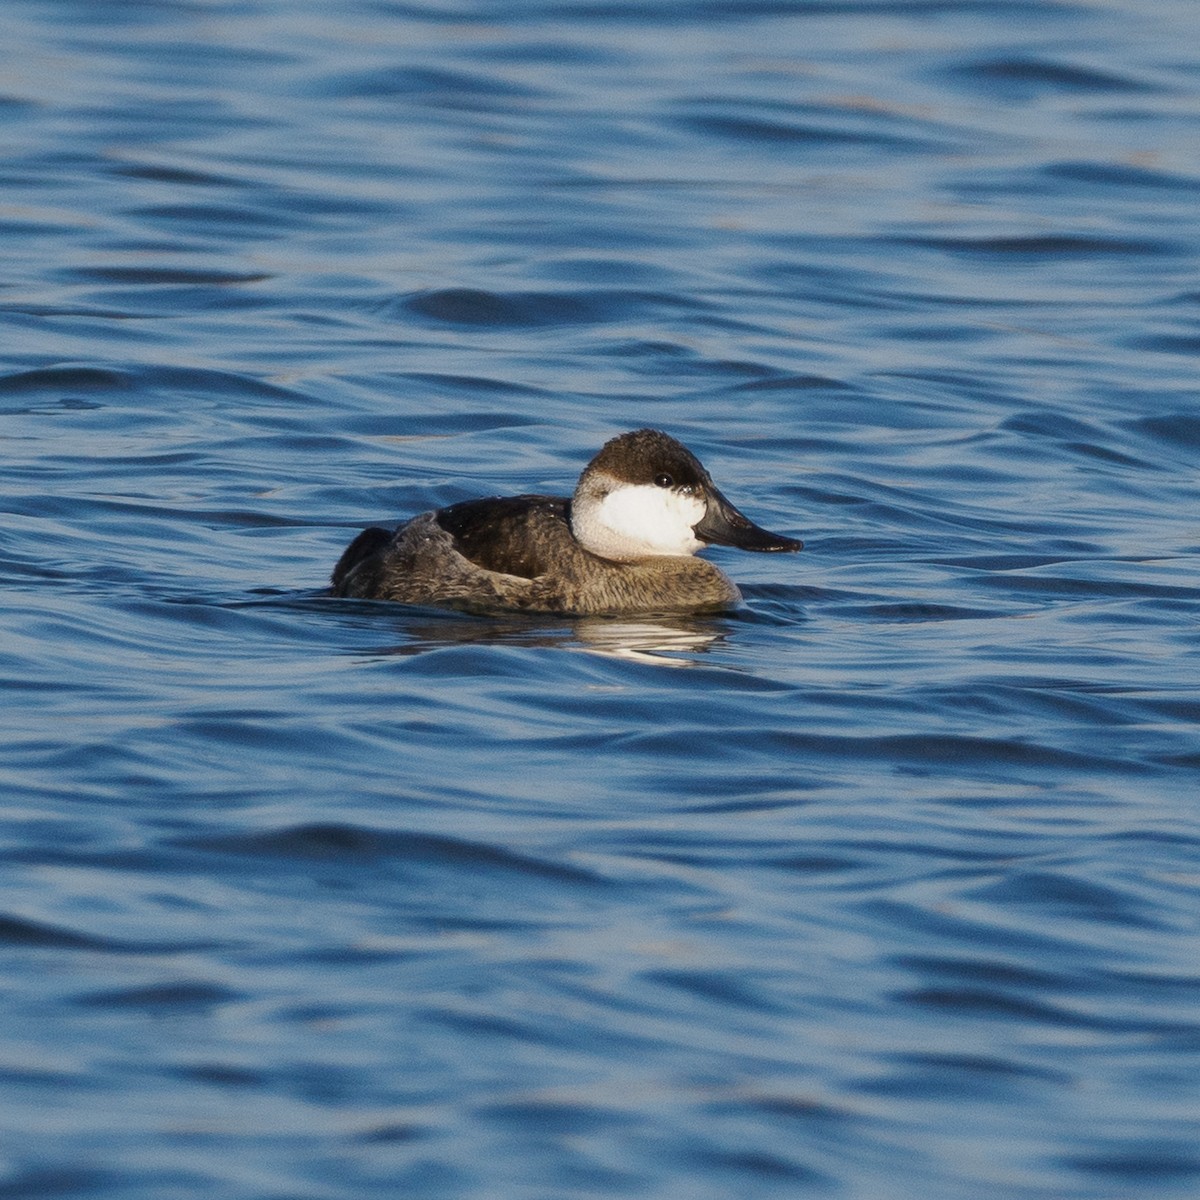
884	887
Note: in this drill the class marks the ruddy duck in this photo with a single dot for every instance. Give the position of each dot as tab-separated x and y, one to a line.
623	543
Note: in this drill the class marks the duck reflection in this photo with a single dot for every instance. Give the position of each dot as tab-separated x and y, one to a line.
661	641
653	641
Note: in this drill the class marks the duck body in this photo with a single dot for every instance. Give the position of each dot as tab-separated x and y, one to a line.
623	543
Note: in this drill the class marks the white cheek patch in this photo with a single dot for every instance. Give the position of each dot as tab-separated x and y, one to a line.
653	520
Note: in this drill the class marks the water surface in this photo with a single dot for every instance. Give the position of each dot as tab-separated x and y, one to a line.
883	886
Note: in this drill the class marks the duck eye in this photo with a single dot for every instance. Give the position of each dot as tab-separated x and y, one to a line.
663	480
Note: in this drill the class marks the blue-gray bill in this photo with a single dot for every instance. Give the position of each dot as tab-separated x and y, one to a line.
725	525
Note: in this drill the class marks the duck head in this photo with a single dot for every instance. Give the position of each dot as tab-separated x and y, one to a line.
645	494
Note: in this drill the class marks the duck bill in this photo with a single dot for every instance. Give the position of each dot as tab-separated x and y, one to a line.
723	525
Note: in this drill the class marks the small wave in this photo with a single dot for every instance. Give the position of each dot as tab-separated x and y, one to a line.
1019	76
184	996
357	843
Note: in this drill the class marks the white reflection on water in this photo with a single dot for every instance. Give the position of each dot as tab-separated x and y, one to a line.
649	641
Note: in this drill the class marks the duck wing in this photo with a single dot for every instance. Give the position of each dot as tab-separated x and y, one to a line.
368	546
513	535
